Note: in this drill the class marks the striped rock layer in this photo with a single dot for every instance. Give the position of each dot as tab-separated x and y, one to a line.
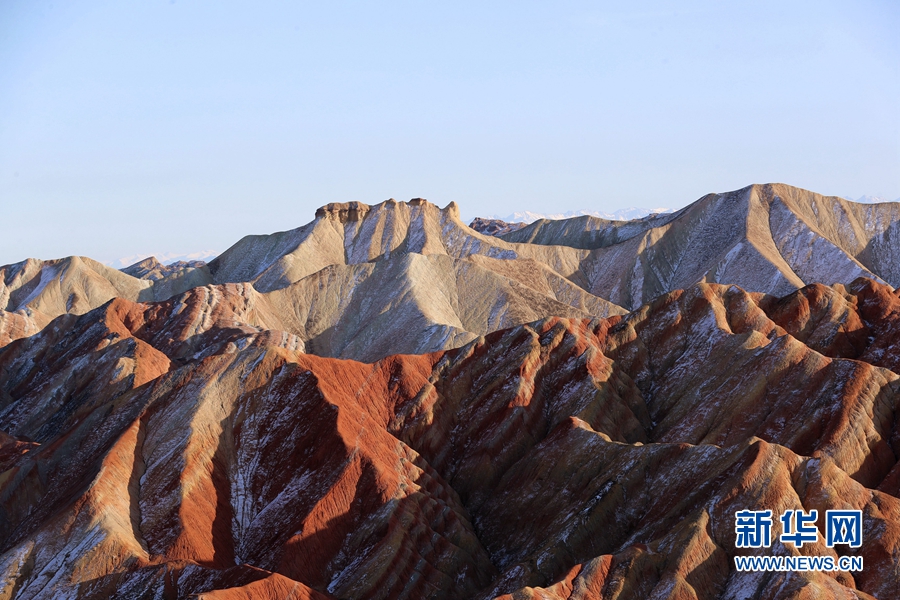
192	448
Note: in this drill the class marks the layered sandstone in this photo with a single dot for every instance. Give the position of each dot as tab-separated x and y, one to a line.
174	449
770	238
765	238
397	277
207	430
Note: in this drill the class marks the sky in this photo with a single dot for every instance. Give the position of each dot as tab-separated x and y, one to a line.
174	127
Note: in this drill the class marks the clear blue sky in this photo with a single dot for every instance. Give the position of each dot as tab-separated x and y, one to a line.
133	127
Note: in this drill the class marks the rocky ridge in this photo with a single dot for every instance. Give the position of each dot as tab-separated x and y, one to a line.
766	238
444	283
769	238
494	227
150	268
567	458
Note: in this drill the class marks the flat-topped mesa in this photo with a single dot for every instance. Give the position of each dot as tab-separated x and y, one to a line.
344	211
348	212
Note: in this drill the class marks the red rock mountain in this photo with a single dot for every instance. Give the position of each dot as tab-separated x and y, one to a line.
197	446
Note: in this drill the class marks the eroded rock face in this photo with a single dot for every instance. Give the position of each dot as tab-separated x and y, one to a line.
189	447
448	283
771	238
150	268
333	282
859	321
495	227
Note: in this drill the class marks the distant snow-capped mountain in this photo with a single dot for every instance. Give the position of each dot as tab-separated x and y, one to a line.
871	199
625	214
165	258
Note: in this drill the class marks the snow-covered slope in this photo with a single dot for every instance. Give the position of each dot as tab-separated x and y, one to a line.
625	214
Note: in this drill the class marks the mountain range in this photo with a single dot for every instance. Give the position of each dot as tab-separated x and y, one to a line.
412	278
165	258
866	199
625	214
386	403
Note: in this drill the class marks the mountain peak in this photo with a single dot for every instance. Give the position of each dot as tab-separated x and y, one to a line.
624	214
349	212
345	211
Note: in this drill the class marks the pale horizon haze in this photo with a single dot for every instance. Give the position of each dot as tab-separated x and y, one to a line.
177	127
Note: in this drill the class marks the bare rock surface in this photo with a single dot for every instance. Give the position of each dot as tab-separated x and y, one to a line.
495	227
150	268
173	449
769	238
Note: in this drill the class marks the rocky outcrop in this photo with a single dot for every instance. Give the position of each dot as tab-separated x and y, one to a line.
494	227
150	268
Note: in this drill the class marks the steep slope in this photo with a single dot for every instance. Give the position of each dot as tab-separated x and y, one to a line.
150	268
768	238
765	238
867	233
358	282
171	451
356	233
408	304
414	303
180	472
